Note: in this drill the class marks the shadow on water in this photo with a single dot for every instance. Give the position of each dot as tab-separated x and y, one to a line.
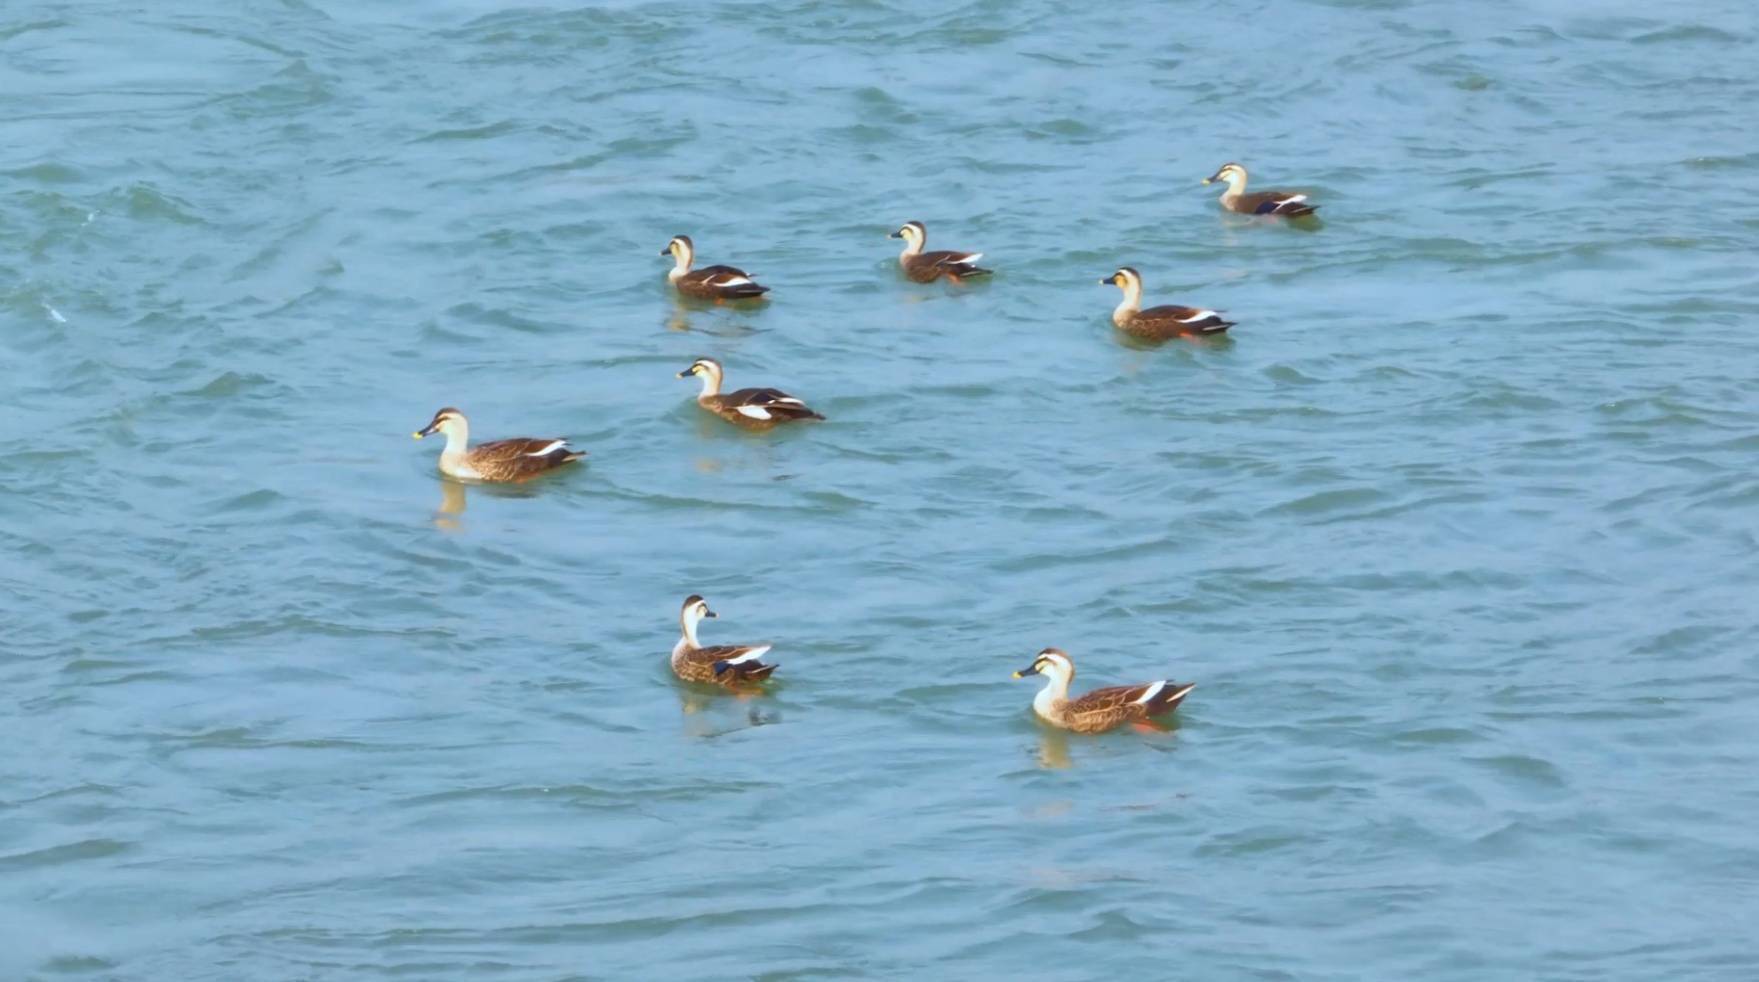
1055	745
455	496
711	711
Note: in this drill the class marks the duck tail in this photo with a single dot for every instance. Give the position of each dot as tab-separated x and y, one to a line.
1168	698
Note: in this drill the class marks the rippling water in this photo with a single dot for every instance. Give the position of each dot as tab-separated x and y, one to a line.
1456	534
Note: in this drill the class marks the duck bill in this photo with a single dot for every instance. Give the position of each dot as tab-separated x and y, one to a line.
427	430
1028	670
687	373
709	613
1111	280
895	235
667	251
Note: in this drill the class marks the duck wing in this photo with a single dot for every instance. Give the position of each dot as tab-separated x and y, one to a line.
1173	319
741	660
1118	703
1276	203
727	279
521	456
956	263
763	404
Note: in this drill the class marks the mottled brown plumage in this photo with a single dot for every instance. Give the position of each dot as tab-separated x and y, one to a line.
1288	204
926	267
757	409
517	459
1160	323
709	282
1101	709
721	664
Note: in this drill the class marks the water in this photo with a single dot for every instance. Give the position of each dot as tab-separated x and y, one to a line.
1455	535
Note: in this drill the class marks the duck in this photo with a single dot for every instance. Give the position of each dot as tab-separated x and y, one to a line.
1235	198
721	664
926	267
1160	323
518	459
755	408
1101	709
710	282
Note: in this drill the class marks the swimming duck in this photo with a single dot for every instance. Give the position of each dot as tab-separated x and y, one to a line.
518	459
1159	323
709	282
926	267
755	408
721	664
1235	198
1100	709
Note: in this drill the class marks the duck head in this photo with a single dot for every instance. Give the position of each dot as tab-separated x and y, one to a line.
1054	663
1232	174
449	421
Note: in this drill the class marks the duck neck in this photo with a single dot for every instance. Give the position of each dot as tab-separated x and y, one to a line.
457	440
681	260
912	247
1236	187
711	385
1055	692
688	622
1127	309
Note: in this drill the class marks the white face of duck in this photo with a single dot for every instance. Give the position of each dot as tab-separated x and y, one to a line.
914	236
694	610
1232	174
683	253
709	371
1130	282
452	423
1056	667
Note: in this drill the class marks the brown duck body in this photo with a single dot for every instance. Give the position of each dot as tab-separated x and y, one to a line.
718	664
926	267
1172	321
1104	709
1285	203
719	283
744	407
518	459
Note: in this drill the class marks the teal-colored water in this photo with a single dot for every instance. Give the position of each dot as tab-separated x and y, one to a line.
1456	535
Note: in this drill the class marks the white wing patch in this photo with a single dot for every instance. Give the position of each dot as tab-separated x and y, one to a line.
752	655
1152	691
728	279
966	259
1293	199
755	412
550	449
1199	315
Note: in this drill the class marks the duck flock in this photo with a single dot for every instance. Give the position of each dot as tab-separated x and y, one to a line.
736	666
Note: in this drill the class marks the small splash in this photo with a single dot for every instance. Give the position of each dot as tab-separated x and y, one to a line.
54	315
